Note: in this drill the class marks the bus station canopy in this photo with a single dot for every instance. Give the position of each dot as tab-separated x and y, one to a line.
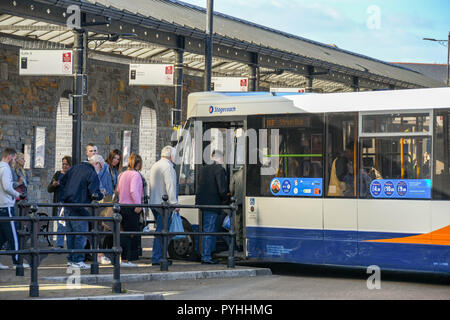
161	27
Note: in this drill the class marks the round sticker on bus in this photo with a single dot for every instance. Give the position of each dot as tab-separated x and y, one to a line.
402	188
275	186
211	109
389	188
375	188
286	186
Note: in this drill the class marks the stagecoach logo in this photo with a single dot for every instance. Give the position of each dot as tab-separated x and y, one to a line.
221	110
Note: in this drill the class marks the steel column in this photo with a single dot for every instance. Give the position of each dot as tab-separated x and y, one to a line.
179	55
355	84
310	78
208	45
448	59
253	78
78	57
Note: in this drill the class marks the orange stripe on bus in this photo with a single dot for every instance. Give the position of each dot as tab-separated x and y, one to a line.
438	237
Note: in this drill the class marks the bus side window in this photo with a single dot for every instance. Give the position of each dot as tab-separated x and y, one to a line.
441	179
186	168
297	149
399	156
341	155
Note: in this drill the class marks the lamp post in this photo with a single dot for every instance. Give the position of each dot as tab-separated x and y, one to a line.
444	43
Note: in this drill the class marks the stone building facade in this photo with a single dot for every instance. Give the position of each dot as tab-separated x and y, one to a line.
111	106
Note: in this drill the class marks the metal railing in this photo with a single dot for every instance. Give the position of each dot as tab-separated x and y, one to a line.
28	215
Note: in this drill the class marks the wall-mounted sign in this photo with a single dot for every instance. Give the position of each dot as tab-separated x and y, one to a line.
401	189
229	84
296	90
45	62
296	187
126	147
151	74
39	148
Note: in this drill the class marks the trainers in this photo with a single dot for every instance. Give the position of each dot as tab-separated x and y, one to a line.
25	266
69	264
104	260
128	264
80	265
3	267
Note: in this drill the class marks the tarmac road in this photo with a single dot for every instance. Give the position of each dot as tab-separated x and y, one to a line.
294	282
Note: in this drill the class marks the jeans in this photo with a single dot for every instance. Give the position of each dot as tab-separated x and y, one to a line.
157	247
76	242
209	242
60	228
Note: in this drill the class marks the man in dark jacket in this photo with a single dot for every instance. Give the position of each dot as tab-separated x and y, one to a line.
79	184
212	190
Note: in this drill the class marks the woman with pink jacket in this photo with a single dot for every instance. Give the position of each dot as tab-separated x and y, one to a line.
130	190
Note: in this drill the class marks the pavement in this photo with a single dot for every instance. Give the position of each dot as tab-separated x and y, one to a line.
56	281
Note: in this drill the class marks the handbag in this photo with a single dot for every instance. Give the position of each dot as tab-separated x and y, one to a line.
176	225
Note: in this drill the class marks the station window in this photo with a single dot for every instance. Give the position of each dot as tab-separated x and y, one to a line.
295	145
341	155
441	179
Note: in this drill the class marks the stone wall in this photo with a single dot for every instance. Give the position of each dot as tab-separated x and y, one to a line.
110	107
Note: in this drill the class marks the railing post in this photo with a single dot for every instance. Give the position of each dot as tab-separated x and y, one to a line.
34	286
231	262
117	286
165	228
19	268
94	244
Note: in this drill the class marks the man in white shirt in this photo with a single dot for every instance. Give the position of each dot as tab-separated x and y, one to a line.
8	230
163	181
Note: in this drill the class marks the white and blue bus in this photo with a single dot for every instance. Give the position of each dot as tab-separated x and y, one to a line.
349	179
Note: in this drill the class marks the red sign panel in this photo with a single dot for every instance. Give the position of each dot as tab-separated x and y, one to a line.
67	57
169	70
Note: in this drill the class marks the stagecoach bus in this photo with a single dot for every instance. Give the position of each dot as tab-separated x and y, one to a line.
349	179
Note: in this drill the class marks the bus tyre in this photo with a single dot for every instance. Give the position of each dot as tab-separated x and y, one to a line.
183	248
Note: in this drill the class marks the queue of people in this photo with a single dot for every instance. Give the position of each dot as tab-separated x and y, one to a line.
97	179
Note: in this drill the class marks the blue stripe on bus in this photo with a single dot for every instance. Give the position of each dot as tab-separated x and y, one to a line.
347	248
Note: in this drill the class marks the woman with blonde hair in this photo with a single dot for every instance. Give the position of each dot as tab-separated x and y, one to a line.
21	178
130	189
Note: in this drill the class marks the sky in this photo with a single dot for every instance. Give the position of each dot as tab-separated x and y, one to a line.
389	30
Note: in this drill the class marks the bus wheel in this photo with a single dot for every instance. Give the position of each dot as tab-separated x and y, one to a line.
183	248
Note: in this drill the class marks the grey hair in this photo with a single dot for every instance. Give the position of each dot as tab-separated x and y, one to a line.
96	158
168	151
